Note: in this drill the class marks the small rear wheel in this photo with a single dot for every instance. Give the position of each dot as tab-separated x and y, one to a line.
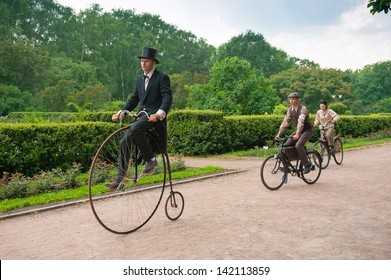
175	204
273	172
338	153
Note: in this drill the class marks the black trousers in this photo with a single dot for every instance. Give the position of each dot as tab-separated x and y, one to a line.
138	133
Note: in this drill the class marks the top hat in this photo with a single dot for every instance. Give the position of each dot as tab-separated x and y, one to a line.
149	53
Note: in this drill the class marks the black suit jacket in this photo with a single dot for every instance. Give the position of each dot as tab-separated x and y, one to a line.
157	96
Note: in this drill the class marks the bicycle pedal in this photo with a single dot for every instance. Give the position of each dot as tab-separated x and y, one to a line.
121	187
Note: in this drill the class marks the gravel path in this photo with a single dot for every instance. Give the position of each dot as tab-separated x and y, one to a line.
345	215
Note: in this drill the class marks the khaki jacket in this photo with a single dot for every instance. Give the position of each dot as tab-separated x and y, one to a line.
326	118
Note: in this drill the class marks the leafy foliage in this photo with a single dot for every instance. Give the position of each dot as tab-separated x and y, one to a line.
18	185
13	99
378	6
234	88
372	85
180	84
57	56
263	57
314	85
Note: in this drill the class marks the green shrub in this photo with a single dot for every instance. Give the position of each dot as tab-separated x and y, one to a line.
58	117
31	148
196	132
18	185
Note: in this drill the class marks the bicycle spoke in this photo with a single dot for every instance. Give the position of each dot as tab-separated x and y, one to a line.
273	173
132	205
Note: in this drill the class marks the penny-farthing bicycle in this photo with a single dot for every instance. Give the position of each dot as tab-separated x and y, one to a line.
133	203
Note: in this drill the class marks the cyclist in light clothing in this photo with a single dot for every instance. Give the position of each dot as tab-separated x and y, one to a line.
327	118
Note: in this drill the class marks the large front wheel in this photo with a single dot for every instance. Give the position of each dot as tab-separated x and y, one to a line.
314	174
273	172
132	205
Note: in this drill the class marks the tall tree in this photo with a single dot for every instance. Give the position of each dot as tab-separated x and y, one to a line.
372	84
254	48
180	84
22	64
234	88
314	85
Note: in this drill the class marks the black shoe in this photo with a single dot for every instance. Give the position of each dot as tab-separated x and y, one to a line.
114	185
307	169
150	166
332	150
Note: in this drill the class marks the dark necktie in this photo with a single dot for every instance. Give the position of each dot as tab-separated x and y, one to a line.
146	80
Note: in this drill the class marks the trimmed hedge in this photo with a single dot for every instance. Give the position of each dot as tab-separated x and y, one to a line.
196	132
29	148
58	117
209	132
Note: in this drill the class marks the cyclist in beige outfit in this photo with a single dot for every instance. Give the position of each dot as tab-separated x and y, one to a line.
327	118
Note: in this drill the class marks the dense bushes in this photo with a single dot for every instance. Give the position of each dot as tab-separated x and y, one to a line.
197	132
30	148
19	186
58	117
209	132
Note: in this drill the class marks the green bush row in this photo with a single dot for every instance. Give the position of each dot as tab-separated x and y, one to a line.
209	132
29	148
57	117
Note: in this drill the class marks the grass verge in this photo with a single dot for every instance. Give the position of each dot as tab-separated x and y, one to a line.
82	191
348	143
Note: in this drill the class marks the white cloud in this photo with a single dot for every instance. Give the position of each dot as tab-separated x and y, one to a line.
356	40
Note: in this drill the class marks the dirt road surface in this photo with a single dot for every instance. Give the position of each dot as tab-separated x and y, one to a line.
345	215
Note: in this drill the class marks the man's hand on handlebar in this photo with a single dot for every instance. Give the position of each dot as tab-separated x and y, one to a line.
154	118
119	116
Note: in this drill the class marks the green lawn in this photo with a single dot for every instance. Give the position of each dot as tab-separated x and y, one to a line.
82	192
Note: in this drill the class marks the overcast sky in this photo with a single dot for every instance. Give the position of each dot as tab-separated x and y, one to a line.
339	34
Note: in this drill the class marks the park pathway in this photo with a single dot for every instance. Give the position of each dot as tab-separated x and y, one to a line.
345	215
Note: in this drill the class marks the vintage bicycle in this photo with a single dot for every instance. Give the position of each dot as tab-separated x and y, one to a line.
131	205
276	168
323	148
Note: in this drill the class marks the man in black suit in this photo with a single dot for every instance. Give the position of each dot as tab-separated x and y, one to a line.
153	93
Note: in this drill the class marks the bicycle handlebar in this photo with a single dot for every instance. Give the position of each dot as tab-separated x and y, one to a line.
127	113
323	127
281	140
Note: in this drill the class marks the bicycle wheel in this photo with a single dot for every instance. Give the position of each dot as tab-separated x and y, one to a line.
273	172
314	174
338	153
175	204
132	205
323	152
